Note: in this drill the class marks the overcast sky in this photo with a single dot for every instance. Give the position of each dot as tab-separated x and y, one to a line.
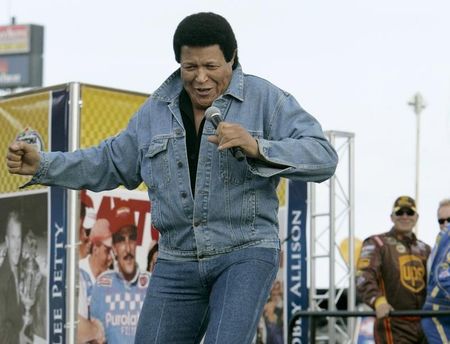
354	65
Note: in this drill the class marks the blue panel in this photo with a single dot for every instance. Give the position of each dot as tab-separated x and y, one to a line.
58	224
297	289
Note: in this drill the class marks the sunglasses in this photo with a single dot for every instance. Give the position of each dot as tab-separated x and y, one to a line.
441	221
402	212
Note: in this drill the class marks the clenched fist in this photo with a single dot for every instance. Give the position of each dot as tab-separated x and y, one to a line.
383	310
22	158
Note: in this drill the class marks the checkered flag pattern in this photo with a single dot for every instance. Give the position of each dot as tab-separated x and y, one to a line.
124	301
16	114
105	113
281	192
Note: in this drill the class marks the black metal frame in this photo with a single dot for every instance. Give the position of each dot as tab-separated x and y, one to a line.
312	315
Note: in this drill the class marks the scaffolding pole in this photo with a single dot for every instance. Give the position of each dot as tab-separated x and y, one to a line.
331	221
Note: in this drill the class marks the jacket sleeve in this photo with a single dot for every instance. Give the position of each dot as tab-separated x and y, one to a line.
369	271
115	161
295	146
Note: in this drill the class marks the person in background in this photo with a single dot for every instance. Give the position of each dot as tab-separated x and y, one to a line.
444	214
33	288
90	267
152	257
391	275
88	330
437	329
87	220
3	252
40	305
118	294
273	314
212	185
11	321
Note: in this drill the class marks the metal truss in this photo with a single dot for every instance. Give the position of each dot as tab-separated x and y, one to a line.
331	265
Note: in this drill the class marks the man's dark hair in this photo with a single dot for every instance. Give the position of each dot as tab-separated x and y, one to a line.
151	253
130	229
204	29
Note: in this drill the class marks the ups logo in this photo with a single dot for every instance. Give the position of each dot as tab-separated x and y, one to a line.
412	273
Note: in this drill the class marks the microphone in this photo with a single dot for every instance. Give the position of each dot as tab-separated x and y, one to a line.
212	114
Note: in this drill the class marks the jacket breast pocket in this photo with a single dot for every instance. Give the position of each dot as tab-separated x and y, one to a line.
156	160
232	171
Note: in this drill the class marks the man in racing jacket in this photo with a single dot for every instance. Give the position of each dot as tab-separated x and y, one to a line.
391	275
118	294
437	329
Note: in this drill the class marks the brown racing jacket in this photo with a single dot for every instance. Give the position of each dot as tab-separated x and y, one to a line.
394	266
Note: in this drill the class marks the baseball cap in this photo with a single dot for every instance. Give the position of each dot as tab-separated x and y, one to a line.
86	200
121	217
89	218
100	233
404	202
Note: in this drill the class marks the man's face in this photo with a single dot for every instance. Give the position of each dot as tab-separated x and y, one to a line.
443	216
14	241
205	73
124	245
404	219
102	256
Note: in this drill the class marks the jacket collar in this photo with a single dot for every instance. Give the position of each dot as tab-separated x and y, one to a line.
407	237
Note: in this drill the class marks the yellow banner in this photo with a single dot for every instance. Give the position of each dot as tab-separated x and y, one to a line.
16	115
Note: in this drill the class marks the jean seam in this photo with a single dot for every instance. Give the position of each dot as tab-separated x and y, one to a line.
222	306
266	285
160	319
196	339
256	316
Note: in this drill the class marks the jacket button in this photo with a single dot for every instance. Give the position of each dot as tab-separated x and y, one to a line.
180	164
197	223
184	194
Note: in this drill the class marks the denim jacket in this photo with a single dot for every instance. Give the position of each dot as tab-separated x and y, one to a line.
235	203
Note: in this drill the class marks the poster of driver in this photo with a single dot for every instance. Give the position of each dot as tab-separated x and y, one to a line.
23	268
118	247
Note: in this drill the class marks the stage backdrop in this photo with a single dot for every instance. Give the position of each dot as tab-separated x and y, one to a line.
39	291
45	117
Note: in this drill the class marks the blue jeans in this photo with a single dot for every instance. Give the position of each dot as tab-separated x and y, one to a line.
221	297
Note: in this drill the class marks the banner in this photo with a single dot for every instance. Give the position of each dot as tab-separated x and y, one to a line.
33	225
296	274
289	291
34	221
58	223
115	230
